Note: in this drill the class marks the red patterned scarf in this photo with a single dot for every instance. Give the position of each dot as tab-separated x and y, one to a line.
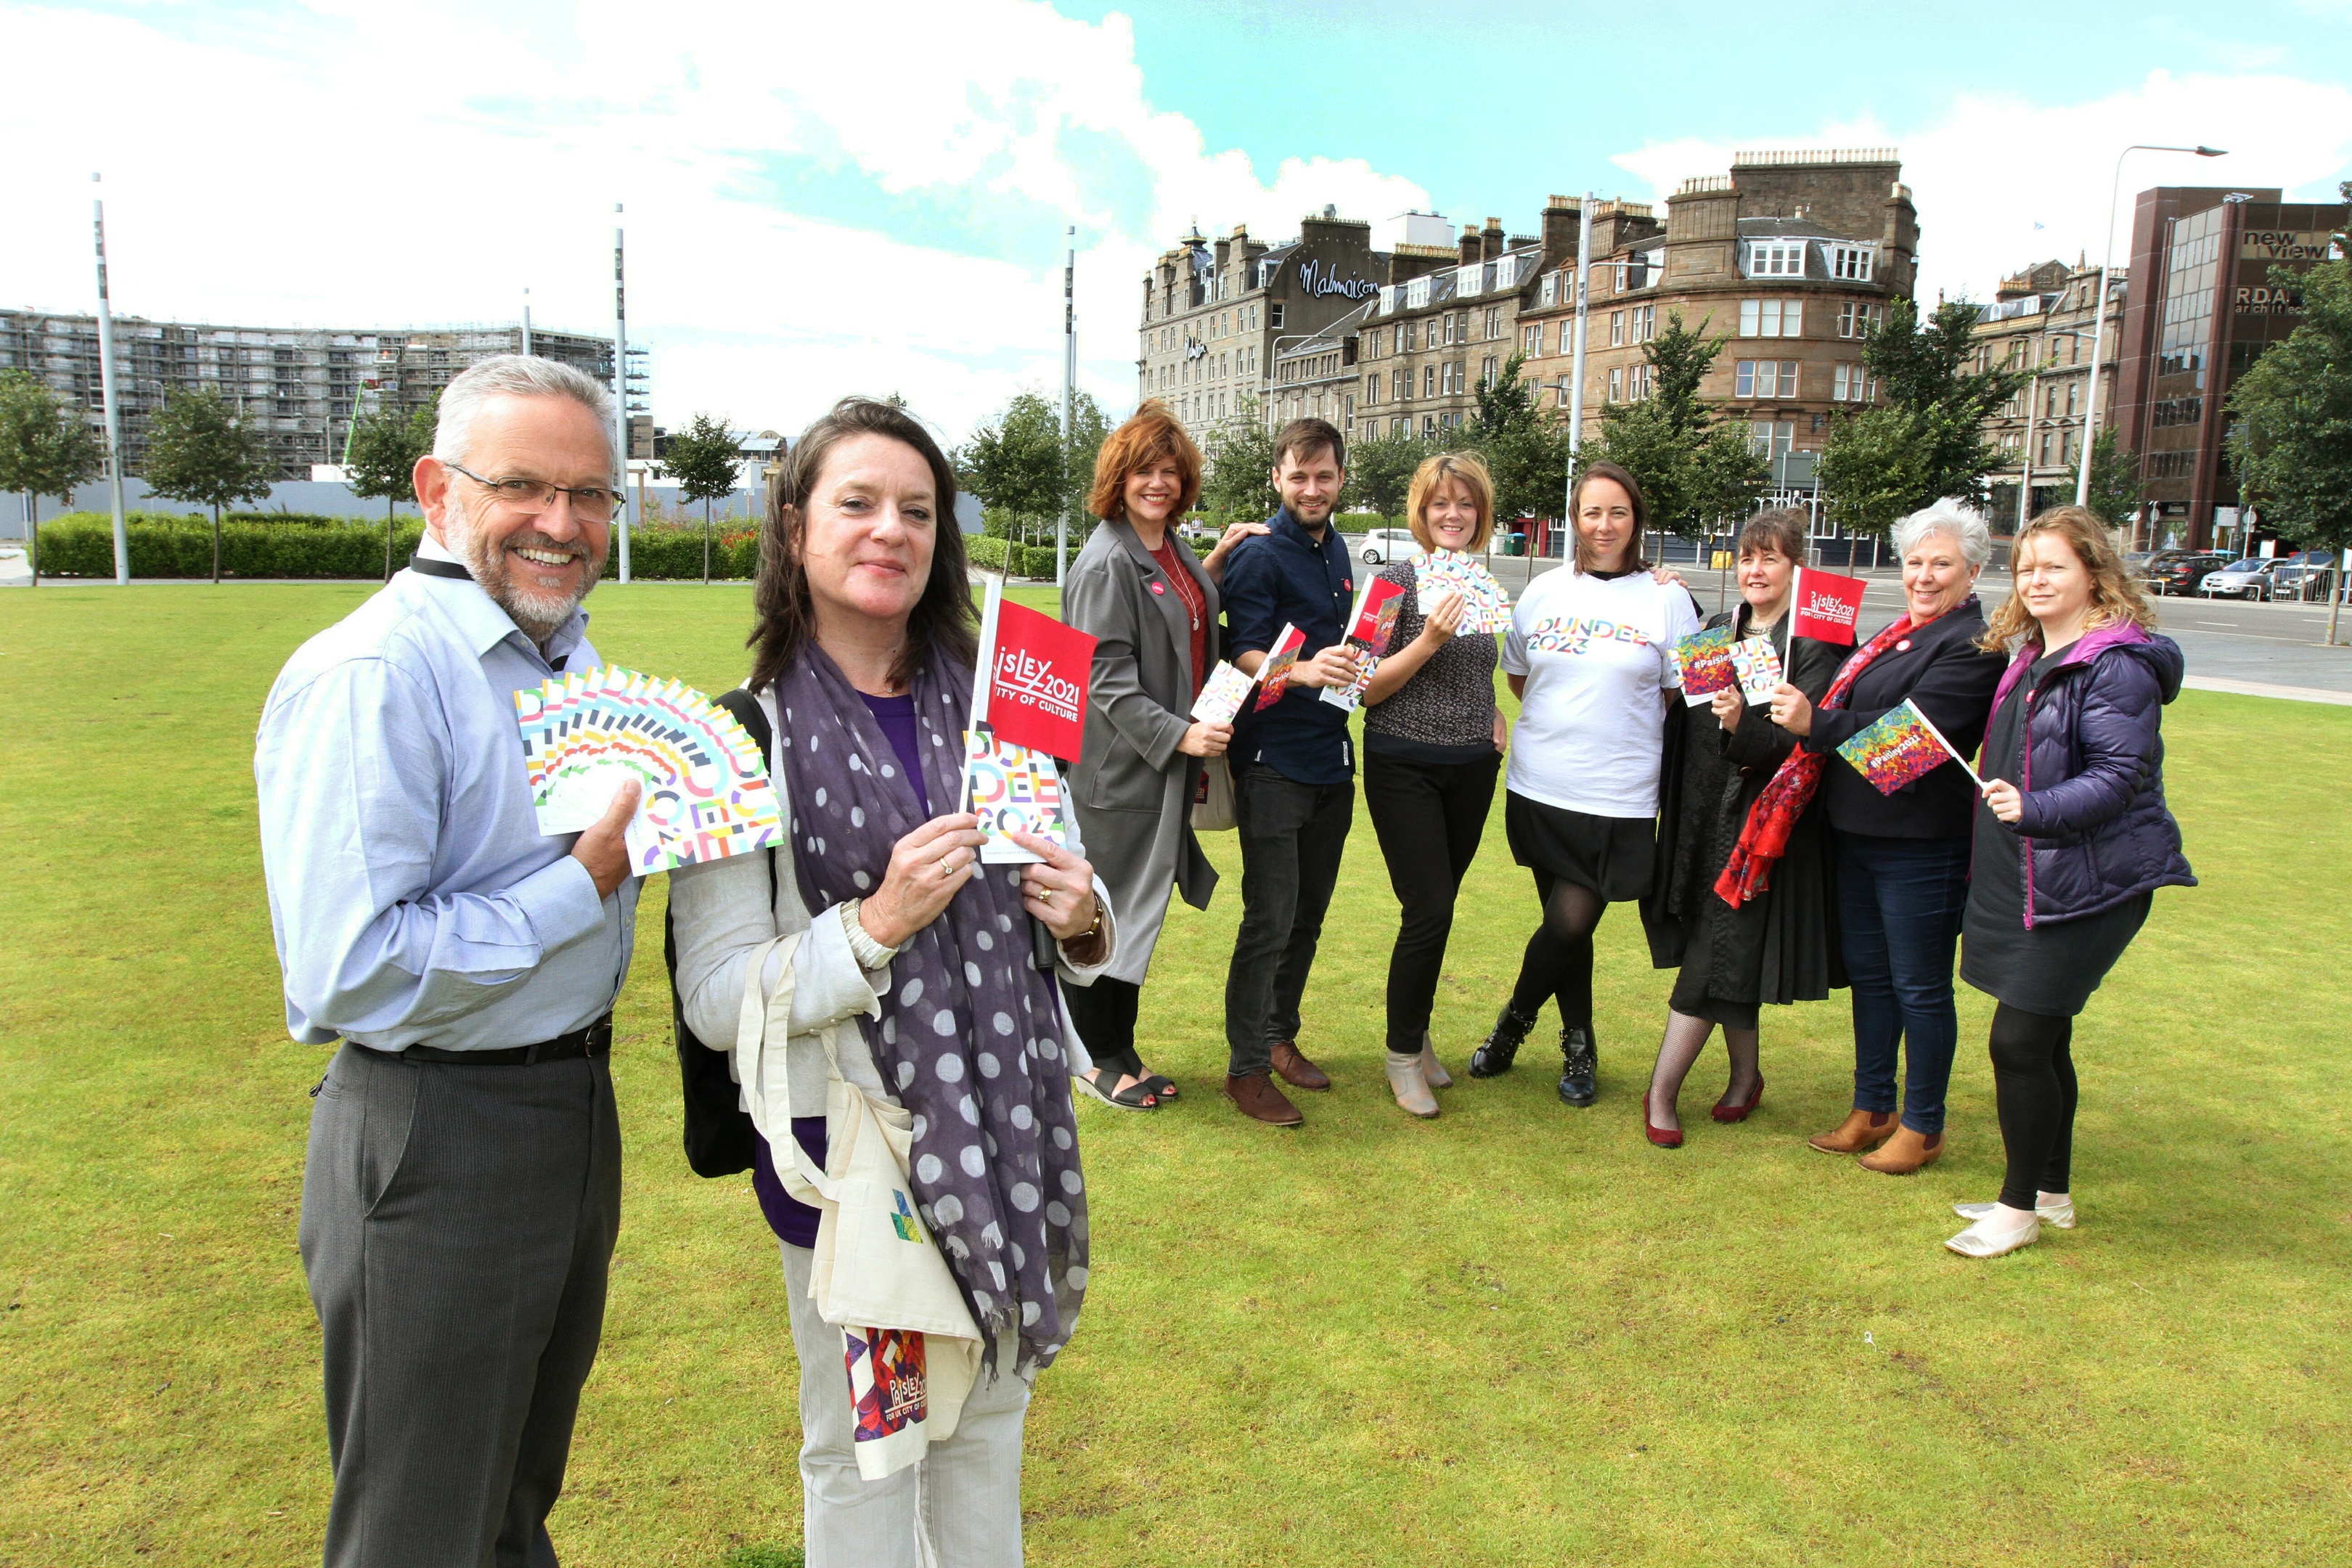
1764	836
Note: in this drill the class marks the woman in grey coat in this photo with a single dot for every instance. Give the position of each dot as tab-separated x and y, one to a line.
1151	607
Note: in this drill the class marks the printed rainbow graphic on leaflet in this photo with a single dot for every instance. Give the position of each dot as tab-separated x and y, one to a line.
706	794
1899	747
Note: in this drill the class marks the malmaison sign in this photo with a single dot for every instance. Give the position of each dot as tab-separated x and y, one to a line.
1317	278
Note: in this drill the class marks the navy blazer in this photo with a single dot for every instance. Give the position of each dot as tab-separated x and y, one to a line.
1939	666
1282	576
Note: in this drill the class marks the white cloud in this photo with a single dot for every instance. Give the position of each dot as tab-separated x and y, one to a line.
1990	167
420	163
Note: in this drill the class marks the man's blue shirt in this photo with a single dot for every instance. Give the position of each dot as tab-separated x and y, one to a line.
1270	578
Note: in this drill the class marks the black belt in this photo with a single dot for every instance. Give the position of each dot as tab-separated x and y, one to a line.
595	1040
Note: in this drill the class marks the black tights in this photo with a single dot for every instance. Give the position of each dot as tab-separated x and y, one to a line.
2033	1084
1104	1014
1558	961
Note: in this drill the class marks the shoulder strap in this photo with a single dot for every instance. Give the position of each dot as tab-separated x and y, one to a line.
748	712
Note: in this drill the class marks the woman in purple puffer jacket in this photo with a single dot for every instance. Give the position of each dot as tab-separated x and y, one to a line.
2068	857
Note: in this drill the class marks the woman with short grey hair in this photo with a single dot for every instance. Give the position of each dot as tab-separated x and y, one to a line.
1902	859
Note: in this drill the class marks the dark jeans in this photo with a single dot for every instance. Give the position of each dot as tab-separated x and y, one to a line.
1429	817
1292	835
1899	907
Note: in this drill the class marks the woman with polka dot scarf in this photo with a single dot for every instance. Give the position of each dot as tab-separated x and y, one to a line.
863	663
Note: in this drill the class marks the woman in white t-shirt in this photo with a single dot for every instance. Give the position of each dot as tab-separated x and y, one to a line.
1590	657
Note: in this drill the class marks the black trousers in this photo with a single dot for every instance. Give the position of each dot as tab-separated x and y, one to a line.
1103	1013
1292	837
2035	1092
457	1224
1429	817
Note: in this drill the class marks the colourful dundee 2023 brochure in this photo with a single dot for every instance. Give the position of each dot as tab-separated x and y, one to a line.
1223	694
1012	789
1757	663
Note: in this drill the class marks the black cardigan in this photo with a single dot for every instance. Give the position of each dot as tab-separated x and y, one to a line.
1940	667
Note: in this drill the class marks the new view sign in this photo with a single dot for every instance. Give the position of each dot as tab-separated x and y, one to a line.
2286	245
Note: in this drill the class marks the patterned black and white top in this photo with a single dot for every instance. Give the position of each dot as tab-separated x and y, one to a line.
1445	714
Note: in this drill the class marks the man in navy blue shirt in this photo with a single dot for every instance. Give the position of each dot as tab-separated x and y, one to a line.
1294	770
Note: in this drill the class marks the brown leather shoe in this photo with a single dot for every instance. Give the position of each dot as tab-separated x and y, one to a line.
1296	1070
1255	1097
1906	1152
1861	1130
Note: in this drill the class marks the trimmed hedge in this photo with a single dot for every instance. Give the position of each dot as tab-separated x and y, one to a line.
81	544
986	554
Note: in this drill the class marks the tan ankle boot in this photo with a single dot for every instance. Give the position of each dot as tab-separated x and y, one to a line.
1861	1130
1905	1152
1411	1088
1431	1067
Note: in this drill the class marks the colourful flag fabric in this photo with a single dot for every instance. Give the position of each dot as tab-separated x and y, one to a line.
706	790
1038	672
1900	747
1704	660
1757	663
1273	674
1012	789
1223	694
1826	607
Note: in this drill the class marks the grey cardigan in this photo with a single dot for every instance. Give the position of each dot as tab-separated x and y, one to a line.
1133	789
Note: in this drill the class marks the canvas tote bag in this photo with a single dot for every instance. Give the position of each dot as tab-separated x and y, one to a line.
1213	803
910	1344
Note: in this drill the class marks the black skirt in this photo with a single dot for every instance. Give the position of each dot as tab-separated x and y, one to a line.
1610	855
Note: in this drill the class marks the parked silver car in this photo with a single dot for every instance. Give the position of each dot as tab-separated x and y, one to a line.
2247	579
1384	544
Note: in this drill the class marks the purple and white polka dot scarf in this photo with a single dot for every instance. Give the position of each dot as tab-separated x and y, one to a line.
970	1037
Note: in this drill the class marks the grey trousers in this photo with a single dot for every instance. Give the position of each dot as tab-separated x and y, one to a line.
458	1222
957	1507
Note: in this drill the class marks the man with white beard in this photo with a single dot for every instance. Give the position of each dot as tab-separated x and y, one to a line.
463	1186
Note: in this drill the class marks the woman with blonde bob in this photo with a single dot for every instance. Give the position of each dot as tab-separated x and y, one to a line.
2072	838
1151	607
1433	744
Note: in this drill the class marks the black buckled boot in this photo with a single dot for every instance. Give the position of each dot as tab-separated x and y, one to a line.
1493	1058
1582	1059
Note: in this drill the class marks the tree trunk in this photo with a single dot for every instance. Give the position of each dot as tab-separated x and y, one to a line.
706	541
33	541
216	510
388	504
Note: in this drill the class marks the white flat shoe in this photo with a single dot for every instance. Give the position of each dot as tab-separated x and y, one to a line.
2061	1216
1980	1241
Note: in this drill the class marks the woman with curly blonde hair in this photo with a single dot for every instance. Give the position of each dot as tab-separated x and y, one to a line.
2072	838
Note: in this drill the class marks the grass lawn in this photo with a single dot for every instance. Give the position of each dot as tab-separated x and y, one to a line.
1517	1333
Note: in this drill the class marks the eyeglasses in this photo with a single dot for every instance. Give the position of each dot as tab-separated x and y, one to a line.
589	503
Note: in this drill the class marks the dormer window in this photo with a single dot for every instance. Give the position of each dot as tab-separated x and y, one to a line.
1416	292
1776	258
1851	263
1470	279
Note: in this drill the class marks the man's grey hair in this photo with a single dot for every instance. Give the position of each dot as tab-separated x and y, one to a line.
512	375
1963	524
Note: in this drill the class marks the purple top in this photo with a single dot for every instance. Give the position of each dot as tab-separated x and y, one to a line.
793	1220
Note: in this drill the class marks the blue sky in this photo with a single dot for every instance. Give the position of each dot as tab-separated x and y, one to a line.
822	199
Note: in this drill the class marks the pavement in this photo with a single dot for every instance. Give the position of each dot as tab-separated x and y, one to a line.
2257	650
15	572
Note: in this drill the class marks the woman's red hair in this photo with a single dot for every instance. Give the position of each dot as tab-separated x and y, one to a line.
1150	435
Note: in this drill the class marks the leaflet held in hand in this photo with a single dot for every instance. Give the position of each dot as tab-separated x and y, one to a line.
1704	660
1273	674
706	790
1012	789
1223	694
1485	606
1757	664
1370	631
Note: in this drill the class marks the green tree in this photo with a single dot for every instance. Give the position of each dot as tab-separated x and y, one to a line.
380	459
1237	482
1523	444
199	449
1088	430
2116	490
1727	474
2290	438
1016	462
1381	470
704	460
1926	437
45	450
1696	469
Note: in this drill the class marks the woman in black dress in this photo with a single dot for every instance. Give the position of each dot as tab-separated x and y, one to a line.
2068	856
1780	946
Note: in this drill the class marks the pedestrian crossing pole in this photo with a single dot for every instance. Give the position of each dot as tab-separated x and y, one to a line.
621	382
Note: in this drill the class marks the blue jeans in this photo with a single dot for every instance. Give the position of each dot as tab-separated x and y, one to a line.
1899	904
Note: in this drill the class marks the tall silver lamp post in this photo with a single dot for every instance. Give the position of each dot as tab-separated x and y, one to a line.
2099	326
114	413
1069	397
621	381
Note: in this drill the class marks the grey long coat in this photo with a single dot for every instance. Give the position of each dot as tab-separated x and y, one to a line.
1133	793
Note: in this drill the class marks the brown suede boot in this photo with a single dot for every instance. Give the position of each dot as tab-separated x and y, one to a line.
1905	1152
1861	1130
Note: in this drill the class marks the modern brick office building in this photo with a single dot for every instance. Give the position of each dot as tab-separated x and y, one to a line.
304	383
1216	313
2200	307
2040	320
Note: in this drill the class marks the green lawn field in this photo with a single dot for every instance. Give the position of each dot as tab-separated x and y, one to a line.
1516	1334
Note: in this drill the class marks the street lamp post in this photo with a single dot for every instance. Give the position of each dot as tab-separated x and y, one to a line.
2099	328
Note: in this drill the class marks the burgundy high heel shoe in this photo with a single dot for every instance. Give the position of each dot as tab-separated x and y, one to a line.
1663	1137
1739	1112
